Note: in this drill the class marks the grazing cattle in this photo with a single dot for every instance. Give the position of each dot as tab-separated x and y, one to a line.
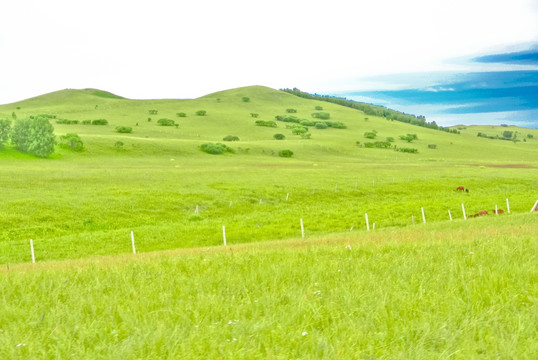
480	213
466	190
499	211
460	188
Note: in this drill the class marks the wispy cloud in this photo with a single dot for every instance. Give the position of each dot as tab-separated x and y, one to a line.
527	57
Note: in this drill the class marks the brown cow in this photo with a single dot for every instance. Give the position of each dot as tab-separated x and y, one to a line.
499	211
480	213
460	188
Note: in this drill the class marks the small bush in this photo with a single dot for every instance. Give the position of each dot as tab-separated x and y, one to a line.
321	126
165	122
215	149
86	122
321	115
152	112
268	123
100	122
71	141
181	114
288	118
149	119
409	137
299	130
319	107
285	153
245	99
66	122
407	150
530	136
390	139
335	124
377	144
305	122
118	145
279	136
432	146
201	113
124	129
291	111
507	134
254	115
230	138
370	134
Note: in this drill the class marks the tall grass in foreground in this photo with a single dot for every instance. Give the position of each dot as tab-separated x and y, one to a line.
456	290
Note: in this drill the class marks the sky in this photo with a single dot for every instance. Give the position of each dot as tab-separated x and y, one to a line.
186	49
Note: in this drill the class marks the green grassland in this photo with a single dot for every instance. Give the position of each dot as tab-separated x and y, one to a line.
81	204
459	289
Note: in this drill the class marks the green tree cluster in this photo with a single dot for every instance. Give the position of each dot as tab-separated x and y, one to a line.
33	136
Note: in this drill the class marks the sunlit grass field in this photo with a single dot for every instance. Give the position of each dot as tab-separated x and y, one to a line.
459	289
462	290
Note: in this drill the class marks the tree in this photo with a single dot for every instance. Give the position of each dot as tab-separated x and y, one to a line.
5	127
20	135
34	136
42	137
507	134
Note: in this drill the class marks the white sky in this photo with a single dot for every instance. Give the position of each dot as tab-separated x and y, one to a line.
189	48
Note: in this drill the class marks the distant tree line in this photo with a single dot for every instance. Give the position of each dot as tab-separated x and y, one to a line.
373	110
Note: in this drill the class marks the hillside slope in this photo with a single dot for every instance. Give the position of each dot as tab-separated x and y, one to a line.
228	114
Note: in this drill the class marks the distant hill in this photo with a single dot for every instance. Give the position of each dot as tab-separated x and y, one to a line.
319	126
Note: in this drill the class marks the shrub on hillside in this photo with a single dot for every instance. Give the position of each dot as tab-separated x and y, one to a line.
321	125
279	136
215	148
299	130
100	122
66	122
288	118
321	115
507	134
407	150
530	136
254	115
124	129
86	122
201	113
336	124
390	139
305	122
118	145
165	122
370	134
319	108
378	144
285	153
230	138
181	114
409	137
72	142
268	123
245	99
291	111
432	146
152	112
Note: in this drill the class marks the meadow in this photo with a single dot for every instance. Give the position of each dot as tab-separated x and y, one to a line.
444	289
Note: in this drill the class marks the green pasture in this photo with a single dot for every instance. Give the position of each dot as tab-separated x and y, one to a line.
460	289
456	290
76	205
